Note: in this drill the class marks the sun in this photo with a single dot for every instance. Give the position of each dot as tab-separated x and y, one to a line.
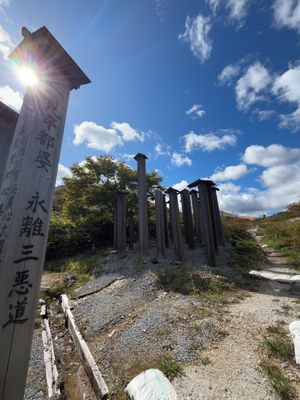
28	76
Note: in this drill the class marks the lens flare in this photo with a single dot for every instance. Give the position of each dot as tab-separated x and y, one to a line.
28	76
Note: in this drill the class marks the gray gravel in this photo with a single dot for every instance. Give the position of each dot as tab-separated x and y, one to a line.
101	309
36	386
97	285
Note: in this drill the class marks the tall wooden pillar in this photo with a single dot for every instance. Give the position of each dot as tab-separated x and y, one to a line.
188	219
142	203
206	219
160	228
196	214
219	227
130	232
175	224
213	215
115	225
8	122
166	223
26	199
120	209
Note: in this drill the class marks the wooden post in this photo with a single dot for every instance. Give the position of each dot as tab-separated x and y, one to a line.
8	122
206	220
120	223
219	228
143	209
175	224
166	223
130	232
196	214
187	218
26	200
115	225
160	228
212	215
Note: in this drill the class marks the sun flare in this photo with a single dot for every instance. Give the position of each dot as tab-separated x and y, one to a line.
28	76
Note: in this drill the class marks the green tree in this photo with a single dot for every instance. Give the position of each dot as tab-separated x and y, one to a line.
83	209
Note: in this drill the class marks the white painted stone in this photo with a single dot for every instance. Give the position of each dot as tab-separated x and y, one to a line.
295	278
294	328
283	278
151	385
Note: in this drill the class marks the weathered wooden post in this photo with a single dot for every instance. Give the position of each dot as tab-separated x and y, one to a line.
130	232
143	208
218	221
120	209
26	200
166	223
196	214
187	218
212	215
8	122
175	223
206	220
115	225
160	228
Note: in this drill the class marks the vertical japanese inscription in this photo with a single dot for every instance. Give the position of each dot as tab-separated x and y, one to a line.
32	222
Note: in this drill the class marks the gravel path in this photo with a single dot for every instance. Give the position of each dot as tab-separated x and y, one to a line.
36	385
232	369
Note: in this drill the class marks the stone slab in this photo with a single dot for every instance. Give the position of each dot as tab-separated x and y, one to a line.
283	278
97	285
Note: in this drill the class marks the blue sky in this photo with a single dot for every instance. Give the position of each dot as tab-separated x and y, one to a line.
205	88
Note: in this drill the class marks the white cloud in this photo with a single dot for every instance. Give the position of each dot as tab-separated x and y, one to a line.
11	97
251	86
197	35
6	44
287	88
229	187
287	85
237	9
233	172
229	73
179	160
96	136
105	139
290	121
214	4
270	156
181	185
196	111
280	182
282	187
127	132
4	3
287	14
62	172
161	150
262	115
208	142
128	157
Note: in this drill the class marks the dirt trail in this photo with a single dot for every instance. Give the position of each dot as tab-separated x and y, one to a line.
232	368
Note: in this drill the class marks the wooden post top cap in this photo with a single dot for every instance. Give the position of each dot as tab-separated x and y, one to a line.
7	114
41	49
199	181
140	155
171	190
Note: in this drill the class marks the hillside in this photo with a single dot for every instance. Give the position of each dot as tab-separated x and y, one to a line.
282	232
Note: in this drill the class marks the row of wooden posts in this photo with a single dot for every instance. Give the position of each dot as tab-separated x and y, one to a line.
200	212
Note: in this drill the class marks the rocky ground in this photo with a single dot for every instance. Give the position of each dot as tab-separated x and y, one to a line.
136	315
